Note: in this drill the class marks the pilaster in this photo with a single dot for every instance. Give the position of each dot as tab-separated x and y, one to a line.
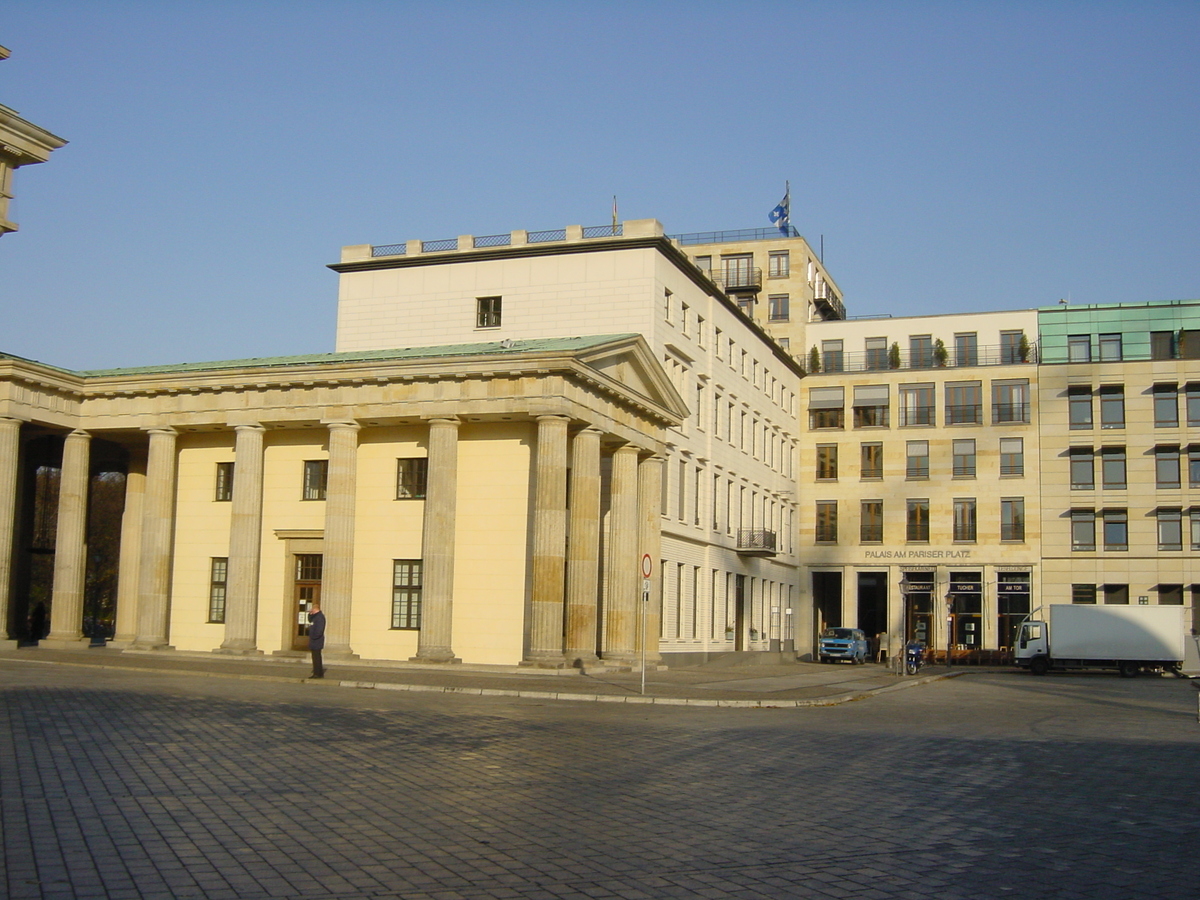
650	473
10	445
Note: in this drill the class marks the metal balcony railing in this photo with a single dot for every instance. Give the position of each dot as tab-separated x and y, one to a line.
882	360
756	542
728	237
737	278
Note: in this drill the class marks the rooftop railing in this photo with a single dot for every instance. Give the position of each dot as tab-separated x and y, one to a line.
728	237
589	232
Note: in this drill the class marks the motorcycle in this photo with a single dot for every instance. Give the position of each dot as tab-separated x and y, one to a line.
914	657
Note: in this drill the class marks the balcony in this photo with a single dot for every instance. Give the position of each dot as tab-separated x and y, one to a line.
737	279
883	360
756	542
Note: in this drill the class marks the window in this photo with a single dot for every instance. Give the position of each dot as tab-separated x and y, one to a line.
668	305
1162	345
700	331
1083	529
964	520
920	351
1195	517
406	594
778	264
316	478
1193	405
1012	519
871	406
1083	469
966	349
827	462
1166	467
1170	595
1194	466
831	356
224	490
1079	348
964	403
1170	529
1116	529
1112	406
1012	456
1079	403
1166	406
487	311
778	307
717	342
704	262
917	404
917	521
917	460
1110	348
1083	593
964	458
871	466
411	476
1112	468
1010	346
827	524
877	353
1010	401
870	527
1116	594
784	343
685	317
218	578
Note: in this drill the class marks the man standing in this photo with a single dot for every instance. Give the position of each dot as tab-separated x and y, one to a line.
316	637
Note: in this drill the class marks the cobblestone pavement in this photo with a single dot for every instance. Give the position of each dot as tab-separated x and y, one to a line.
118	784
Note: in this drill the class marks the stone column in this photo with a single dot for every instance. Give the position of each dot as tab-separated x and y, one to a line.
441	500
154	571
337	574
583	553
650	472
70	550
131	552
622	593
245	543
10	445
545	646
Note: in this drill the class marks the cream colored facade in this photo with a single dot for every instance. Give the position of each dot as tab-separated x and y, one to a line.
21	144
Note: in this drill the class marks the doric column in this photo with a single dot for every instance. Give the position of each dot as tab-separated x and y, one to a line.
583	553
621	599
70	552
650	471
245	542
131	552
10	445
441	500
337	575
154	571
545	647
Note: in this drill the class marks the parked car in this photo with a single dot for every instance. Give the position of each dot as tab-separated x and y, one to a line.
843	643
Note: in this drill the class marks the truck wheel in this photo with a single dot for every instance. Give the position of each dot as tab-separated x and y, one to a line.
1039	666
1128	669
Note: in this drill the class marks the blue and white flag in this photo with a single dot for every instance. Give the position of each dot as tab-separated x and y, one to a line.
781	214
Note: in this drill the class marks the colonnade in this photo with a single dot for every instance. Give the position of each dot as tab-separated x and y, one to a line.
571	585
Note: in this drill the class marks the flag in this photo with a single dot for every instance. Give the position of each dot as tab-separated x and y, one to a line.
781	214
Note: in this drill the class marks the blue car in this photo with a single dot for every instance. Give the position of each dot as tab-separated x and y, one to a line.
843	643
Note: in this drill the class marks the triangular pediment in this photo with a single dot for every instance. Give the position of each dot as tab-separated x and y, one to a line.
630	362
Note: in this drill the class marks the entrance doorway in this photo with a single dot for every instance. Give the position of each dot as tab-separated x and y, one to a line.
872	603
307	588
920	607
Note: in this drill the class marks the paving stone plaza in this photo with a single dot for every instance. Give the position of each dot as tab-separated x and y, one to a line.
123	785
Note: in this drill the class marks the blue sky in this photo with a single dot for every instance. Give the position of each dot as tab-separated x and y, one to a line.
955	156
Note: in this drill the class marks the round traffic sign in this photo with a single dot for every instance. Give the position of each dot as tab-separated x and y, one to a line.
647	565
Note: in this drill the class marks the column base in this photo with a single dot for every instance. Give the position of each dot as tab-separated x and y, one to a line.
238	651
545	662
440	658
52	643
150	645
6	644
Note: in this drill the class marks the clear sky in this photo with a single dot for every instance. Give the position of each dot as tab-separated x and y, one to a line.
954	156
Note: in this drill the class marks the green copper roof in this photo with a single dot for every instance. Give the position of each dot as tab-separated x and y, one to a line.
491	348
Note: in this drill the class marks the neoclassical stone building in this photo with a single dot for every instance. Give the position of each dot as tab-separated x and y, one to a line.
423	494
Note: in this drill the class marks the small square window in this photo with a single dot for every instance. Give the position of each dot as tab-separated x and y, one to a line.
1083	593
316	478
1110	348
411	477
487	312
1079	348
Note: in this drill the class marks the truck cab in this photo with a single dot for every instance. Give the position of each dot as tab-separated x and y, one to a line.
1033	648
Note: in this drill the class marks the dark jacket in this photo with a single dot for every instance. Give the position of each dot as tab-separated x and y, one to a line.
316	631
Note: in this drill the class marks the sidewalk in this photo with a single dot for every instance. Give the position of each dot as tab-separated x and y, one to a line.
784	685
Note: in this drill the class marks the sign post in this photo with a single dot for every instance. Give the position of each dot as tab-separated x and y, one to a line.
647	569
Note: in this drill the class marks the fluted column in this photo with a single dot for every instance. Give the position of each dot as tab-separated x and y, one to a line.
128	568
154	572
337	576
10	445
545	647
650	472
583	552
441	501
245	542
621	599
70	551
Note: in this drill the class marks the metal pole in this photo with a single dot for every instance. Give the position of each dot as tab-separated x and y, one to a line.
645	602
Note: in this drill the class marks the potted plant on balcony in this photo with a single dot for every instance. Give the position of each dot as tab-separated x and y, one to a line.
939	353
1023	348
814	360
894	356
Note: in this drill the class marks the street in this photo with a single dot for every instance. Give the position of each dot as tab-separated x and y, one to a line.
121	785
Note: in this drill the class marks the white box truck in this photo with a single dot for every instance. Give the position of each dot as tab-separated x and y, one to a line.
1126	638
